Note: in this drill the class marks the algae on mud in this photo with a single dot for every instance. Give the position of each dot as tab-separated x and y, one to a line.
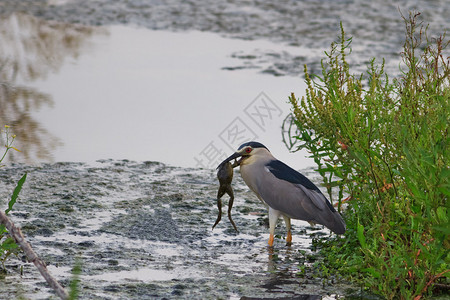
143	230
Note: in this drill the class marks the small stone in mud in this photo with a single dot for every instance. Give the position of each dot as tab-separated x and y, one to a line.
175	197
112	288
113	262
158	225
87	244
177	292
44	232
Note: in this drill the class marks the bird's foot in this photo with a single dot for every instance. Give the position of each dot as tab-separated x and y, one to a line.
289	238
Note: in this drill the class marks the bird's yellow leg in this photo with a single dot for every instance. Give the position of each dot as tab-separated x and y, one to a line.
289	237
287	221
271	240
273	218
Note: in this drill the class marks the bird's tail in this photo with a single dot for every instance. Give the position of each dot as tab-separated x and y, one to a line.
337	225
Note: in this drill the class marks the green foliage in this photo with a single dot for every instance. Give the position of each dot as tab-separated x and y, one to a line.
74	285
383	148
7	244
16	193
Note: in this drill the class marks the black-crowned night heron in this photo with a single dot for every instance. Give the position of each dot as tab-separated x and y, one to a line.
285	191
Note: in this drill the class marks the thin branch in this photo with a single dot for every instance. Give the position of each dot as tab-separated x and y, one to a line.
16	233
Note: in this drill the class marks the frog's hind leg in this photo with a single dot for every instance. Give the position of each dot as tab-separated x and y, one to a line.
230	206
219	216
220	193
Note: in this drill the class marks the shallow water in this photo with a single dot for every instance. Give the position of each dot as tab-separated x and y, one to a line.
135	93
140	236
143	93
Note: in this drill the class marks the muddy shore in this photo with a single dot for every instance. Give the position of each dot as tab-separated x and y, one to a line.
143	230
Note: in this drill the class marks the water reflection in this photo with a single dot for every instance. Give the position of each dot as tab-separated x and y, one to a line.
30	49
282	262
286	274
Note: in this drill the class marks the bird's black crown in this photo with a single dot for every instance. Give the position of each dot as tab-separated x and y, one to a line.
253	145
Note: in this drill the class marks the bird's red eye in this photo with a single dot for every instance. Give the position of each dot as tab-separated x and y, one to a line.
248	150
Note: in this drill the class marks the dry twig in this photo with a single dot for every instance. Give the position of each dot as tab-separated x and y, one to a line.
16	233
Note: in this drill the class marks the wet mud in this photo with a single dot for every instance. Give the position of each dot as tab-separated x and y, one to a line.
142	230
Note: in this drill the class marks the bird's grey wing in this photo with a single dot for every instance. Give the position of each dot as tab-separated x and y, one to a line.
282	171
293	194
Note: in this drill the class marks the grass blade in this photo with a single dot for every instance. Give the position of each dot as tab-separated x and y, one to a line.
16	193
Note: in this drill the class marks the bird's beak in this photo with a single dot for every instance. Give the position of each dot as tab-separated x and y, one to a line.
234	156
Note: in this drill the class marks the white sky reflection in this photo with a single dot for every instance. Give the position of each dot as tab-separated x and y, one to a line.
163	96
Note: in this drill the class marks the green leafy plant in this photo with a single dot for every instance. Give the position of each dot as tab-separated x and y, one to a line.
7	244
382	147
74	285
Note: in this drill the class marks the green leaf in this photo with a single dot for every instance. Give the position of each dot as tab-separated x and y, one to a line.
361	237
445	173
350	115
372	272
9	244
361	158
442	213
306	136
16	193
400	213
74	284
444	191
444	229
